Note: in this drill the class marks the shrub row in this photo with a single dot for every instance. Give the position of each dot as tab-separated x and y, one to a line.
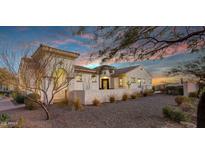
125	97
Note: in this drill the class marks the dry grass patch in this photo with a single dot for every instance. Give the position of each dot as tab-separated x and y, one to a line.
77	104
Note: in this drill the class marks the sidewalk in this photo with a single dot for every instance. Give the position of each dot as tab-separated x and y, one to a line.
6	104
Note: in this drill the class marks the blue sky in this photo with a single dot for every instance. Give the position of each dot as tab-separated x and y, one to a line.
60	37
19	38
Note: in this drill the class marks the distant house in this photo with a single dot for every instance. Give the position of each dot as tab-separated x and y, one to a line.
190	86
100	82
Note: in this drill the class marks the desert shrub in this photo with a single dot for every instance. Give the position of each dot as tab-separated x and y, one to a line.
63	103
112	99
193	94
148	92
186	107
124	97
182	99
77	104
133	96
4	117
30	103
20	122
18	97
138	94
175	114
96	102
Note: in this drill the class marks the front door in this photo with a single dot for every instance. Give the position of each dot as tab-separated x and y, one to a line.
105	83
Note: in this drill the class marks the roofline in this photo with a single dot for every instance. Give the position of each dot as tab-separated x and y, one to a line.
86	71
57	51
134	67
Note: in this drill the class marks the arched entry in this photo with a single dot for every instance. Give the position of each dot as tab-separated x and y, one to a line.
60	76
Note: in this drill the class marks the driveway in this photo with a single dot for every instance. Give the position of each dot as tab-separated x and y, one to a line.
6	104
142	112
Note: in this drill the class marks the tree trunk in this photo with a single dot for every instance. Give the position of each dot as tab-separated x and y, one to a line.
46	111
43	107
201	112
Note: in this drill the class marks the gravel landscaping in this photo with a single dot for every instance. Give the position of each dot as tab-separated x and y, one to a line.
142	112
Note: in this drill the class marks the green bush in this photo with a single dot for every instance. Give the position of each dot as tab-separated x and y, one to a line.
182	99
175	114
4	117
112	99
96	102
193	94
30	103
18	97
124	97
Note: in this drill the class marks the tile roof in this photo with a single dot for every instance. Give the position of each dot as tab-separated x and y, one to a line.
84	69
124	70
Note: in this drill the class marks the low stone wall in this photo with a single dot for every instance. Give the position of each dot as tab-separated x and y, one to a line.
87	96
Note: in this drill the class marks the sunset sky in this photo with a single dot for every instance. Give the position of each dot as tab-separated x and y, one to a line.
17	39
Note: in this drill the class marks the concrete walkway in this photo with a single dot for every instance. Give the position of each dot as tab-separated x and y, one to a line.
6	104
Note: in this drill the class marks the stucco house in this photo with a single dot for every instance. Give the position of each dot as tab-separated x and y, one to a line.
87	84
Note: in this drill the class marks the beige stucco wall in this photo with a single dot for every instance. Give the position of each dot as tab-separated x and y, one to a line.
86	83
142	74
54	64
137	73
87	96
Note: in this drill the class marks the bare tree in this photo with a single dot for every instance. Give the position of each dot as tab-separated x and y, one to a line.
143	42
194	67
46	77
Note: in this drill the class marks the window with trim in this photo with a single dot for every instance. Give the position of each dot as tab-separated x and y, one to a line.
132	79
94	78
79	78
120	82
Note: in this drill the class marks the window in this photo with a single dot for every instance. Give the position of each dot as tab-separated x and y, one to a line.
111	71
94	78
79	78
120	82
132	79
139	81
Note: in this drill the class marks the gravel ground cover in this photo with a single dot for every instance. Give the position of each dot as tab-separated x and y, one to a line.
144	112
